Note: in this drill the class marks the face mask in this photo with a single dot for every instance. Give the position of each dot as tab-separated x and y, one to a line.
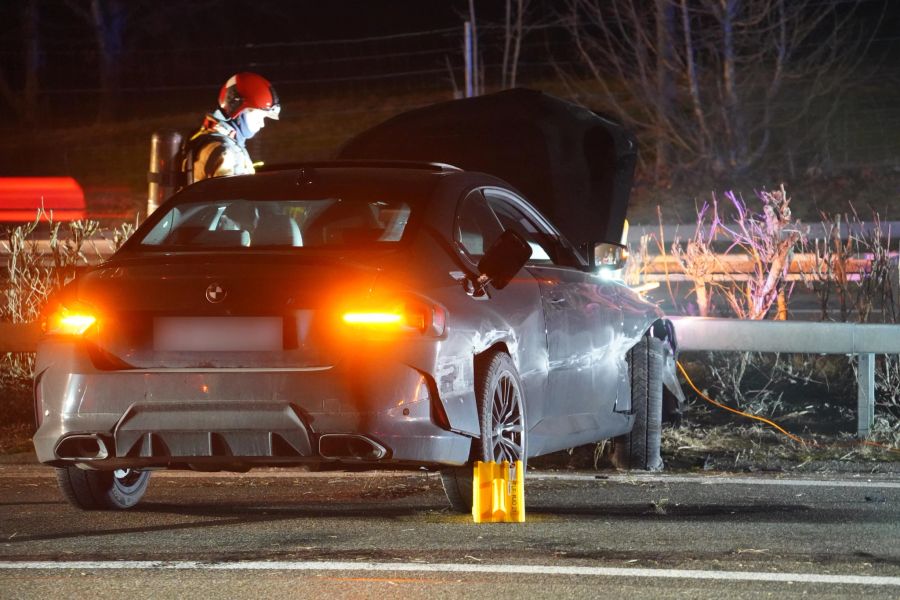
244	131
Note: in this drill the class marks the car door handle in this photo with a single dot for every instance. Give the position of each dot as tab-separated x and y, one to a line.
557	300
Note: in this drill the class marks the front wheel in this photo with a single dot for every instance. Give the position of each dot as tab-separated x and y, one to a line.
102	490
640	448
498	392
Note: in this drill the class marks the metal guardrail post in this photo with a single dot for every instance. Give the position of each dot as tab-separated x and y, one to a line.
865	408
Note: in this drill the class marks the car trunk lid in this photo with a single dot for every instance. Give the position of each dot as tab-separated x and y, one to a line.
221	311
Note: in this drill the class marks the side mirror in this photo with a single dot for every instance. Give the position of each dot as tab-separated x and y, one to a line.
503	260
609	256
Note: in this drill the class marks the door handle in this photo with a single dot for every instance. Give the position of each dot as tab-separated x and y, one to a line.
557	299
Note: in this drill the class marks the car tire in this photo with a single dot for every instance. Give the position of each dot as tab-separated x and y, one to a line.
102	490
501	412
640	448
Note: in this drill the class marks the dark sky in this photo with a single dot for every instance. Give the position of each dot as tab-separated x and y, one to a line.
243	21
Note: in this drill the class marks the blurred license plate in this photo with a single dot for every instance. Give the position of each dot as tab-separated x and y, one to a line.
224	334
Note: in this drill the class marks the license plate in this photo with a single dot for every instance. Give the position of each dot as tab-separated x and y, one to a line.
222	334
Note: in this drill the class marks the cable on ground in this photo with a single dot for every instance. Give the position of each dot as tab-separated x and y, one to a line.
793	437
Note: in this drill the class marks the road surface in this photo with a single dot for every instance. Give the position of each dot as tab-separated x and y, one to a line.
290	533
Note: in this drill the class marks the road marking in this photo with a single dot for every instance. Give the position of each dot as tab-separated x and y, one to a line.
501	569
33	472
718	480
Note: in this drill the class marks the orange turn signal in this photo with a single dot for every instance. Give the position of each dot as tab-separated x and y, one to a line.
410	316
64	321
373	318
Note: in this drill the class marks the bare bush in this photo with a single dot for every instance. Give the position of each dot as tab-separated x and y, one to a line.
767	237
697	258
34	274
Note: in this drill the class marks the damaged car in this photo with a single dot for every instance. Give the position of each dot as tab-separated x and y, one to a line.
424	301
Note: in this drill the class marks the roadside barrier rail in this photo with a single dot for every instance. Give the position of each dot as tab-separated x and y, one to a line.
813	230
862	340
804	266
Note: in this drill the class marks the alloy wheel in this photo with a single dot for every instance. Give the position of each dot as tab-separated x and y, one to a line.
507	441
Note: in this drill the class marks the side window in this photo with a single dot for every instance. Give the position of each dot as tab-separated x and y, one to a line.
477	228
546	249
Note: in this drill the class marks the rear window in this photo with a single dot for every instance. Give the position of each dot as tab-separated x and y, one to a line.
323	223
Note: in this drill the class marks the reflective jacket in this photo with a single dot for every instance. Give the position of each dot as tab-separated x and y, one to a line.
216	152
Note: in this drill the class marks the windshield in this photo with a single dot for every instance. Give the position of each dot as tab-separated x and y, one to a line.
239	223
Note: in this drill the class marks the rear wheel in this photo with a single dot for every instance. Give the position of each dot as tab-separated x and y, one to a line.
640	448
502	418
102	490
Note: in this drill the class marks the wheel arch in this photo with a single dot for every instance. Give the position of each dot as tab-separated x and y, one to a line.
481	358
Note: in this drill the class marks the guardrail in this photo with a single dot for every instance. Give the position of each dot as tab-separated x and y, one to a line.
862	340
657	268
95	251
814	230
741	268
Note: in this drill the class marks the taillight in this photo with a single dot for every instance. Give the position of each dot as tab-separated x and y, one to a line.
401	316
66	321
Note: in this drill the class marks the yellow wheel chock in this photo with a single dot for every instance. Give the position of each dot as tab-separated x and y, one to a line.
498	492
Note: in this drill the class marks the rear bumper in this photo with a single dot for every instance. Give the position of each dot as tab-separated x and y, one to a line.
372	416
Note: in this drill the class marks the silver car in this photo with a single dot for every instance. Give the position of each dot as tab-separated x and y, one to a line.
345	315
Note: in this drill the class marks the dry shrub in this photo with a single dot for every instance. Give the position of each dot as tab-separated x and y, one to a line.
34	274
767	237
855	279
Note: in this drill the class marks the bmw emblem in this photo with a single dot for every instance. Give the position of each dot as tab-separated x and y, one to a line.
215	293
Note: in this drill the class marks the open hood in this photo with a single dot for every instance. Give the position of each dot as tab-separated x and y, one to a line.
573	164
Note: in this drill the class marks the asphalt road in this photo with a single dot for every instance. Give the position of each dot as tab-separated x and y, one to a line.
297	534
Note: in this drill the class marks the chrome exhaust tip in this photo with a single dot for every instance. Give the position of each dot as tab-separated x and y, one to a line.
344	446
82	447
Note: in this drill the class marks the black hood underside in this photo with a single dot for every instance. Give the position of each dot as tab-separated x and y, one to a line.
573	164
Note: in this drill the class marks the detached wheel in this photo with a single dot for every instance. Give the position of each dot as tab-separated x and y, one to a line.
102	490
498	392
640	449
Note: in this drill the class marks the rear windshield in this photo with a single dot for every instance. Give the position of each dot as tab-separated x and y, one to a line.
326	222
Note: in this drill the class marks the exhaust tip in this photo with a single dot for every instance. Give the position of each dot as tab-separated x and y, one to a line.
82	447
343	446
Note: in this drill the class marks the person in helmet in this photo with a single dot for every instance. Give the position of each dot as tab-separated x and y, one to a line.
218	148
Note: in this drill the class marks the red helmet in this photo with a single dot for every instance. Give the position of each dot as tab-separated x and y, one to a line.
248	90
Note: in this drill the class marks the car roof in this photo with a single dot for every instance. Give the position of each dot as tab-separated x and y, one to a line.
398	178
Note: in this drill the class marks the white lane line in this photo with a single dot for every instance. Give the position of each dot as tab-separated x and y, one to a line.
41	472
501	569
718	480
32	472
